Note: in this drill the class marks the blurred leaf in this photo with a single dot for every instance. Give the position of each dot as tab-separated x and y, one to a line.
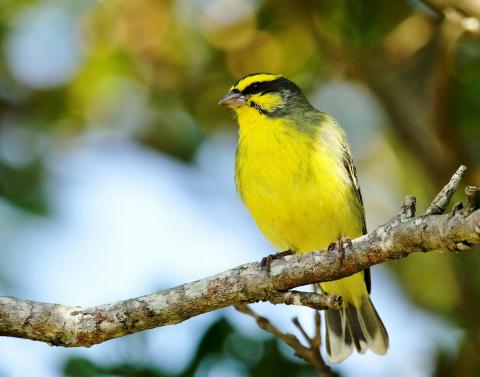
430	280
465	94
23	186
82	367
214	347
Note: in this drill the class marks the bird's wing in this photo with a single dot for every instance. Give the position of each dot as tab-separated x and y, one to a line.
352	174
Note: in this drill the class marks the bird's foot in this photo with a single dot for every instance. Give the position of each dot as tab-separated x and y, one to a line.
267	261
340	246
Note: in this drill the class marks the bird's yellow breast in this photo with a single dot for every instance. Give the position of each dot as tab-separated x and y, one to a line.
293	182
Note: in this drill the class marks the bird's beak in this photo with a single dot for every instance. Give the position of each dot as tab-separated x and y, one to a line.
232	99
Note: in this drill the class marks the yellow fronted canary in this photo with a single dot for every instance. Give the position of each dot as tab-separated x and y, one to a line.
295	174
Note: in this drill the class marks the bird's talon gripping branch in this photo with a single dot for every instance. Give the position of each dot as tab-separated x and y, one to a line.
340	246
267	261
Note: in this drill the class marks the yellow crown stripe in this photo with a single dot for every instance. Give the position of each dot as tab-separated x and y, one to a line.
261	77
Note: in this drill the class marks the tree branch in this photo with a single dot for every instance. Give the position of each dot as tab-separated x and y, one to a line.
441	201
83	327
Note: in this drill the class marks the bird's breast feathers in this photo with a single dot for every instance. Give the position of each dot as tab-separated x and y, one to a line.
294	183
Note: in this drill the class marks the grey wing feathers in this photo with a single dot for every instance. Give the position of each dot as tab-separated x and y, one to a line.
352	173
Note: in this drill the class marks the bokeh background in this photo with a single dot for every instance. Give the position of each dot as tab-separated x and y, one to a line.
116	168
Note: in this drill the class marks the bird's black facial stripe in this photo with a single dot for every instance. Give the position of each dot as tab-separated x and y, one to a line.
276	85
258	107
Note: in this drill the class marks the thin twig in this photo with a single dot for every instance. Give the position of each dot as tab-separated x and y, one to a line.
266	325
309	354
317	339
441	201
300	328
314	343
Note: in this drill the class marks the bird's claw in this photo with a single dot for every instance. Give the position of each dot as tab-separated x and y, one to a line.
340	246
267	261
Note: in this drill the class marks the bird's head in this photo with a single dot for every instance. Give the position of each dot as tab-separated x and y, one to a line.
265	94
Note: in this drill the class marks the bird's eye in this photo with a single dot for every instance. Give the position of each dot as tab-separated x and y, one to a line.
253	88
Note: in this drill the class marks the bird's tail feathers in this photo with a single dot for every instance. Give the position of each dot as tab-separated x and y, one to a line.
352	326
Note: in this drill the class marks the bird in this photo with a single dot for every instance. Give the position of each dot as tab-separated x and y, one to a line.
295	174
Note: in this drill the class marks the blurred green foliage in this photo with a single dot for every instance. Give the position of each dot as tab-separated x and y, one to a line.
221	345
